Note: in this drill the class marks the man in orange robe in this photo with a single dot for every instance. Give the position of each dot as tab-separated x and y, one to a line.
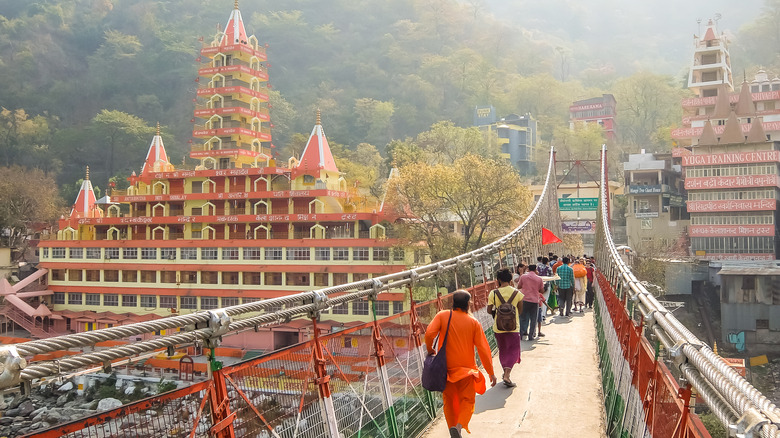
464	379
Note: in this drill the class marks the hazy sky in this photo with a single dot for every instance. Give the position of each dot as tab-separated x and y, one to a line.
626	35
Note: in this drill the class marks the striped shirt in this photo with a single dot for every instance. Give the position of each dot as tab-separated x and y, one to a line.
567	276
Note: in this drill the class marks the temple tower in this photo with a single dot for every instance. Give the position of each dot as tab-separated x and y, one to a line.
232	101
711	63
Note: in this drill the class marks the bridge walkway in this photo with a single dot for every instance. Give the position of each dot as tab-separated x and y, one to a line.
558	389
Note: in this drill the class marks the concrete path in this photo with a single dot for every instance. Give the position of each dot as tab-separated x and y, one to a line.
558	391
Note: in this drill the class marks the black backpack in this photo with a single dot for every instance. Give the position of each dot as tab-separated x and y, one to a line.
506	313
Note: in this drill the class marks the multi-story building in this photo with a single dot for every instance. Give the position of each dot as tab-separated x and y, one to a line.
711	66
601	110
239	227
656	218
729	151
732	182
516	136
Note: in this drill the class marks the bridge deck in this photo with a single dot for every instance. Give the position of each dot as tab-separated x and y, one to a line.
558	389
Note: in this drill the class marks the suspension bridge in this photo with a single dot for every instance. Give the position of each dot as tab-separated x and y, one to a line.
364	381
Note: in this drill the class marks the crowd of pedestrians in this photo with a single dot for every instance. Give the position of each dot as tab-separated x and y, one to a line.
519	306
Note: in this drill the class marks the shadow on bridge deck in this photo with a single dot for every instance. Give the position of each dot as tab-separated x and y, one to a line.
558	389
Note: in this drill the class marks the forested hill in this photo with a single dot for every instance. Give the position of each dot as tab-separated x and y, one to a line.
86	80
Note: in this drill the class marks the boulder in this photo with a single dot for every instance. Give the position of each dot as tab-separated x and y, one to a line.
38	411
129	390
66	387
108	403
12	412
5	421
61	400
52	417
16	401
26	408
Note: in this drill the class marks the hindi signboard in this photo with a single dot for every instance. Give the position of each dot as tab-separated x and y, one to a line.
578	204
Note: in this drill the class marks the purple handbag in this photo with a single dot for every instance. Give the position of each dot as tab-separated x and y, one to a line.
434	375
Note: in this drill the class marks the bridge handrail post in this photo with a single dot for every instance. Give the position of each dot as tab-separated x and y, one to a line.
322	380
381	363
416	332
222	419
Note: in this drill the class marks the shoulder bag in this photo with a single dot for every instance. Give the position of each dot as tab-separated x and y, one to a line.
434	375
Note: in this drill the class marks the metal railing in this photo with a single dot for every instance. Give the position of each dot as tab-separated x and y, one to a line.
737	404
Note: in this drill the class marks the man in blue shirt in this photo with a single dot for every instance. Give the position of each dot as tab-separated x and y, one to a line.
565	287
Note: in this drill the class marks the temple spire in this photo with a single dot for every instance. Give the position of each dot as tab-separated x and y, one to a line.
316	159
235	33
708	137
85	201
157	158
235	4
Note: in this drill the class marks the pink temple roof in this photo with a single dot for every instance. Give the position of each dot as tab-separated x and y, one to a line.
234	31
156	158
709	35
316	156
85	201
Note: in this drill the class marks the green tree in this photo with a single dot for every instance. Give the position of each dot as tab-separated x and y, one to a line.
483	196
123	136
648	104
375	117
760	39
445	143
19	133
27	197
364	167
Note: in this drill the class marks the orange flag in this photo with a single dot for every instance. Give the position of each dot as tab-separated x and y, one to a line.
548	237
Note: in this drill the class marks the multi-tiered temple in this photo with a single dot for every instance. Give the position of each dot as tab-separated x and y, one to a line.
240	226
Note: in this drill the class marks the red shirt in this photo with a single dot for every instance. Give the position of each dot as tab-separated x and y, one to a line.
590	273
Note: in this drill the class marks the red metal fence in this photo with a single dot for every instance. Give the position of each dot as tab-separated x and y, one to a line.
364	380
642	397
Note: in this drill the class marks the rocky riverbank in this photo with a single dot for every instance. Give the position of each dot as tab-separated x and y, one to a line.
53	404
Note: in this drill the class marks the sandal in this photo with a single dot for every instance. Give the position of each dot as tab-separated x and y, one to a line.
509	384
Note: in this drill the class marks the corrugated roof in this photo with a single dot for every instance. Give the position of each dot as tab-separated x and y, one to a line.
749	271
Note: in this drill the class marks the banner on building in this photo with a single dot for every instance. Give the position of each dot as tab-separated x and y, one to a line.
578	227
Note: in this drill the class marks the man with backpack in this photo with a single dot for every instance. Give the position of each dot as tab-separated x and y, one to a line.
505	303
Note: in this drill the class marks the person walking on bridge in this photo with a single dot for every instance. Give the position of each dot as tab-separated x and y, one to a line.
464	380
565	287
506	328
532	287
